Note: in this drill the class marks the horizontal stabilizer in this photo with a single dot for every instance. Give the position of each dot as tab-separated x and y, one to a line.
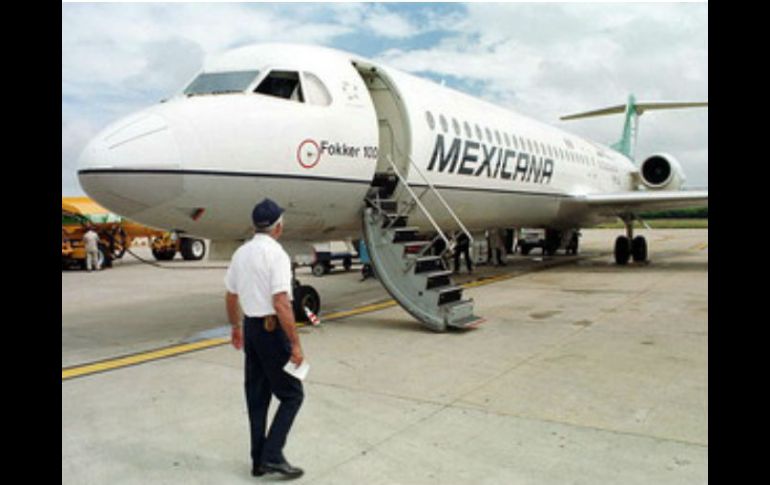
640	108
632	110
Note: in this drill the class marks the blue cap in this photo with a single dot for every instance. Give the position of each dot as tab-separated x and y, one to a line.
266	213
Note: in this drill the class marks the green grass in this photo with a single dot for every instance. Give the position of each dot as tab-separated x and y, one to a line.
662	224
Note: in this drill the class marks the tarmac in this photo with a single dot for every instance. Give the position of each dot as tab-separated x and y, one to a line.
583	373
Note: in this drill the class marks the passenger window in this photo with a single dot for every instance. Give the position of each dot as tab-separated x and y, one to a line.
507	140
316	90
282	84
515	142
431	121
444	125
489	135
468	132
456	126
478	133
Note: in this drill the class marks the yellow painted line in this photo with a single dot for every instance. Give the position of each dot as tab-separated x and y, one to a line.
129	360
363	309
699	247
175	350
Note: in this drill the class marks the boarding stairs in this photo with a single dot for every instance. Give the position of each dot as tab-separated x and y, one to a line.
420	282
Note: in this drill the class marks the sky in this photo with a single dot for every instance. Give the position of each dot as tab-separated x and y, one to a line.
543	60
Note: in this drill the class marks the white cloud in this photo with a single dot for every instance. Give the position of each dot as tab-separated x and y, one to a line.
388	24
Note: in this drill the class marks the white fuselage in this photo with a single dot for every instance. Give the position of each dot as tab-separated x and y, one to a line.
224	152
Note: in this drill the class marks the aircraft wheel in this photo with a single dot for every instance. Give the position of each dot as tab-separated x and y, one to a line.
622	250
164	254
305	296
192	249
319	270
639	249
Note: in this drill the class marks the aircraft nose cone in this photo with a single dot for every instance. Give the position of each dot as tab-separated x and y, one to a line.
141	141
117	166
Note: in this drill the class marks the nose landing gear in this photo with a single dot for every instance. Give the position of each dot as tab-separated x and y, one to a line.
304	296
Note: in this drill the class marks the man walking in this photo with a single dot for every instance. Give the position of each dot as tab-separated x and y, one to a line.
259	283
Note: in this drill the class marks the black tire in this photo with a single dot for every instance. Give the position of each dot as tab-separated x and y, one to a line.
319	270
639	249
347	264
164	255
118	243
525	250
192	249
622	250
574	243
305	296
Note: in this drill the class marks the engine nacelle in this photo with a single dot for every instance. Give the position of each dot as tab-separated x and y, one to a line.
661	172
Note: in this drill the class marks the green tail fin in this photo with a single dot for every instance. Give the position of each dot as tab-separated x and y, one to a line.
627	142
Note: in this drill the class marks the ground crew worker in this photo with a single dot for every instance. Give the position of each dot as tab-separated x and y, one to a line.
259	283
497	246
91	240
463	247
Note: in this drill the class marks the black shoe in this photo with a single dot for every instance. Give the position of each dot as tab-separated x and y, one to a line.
257	472
284	469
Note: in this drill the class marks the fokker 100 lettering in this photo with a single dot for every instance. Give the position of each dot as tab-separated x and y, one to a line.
463	158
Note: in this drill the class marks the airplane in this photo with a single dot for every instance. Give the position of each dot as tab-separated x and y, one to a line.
350	146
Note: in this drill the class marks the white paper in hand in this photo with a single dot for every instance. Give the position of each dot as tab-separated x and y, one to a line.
298	372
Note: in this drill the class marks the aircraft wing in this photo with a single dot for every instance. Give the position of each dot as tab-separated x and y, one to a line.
643	201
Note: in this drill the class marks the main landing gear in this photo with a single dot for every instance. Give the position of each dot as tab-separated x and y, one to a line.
628	246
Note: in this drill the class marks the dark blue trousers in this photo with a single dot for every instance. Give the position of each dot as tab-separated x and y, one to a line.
266	354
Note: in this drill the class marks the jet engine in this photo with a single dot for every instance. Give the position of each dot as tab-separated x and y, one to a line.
661	172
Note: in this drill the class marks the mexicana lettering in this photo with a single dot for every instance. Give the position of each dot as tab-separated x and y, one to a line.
508	164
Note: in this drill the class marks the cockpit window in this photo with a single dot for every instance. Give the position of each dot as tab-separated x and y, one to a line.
282	84
221	82
316	90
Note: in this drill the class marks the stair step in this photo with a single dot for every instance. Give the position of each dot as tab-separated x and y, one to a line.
393	221
459	314
389	205
467	322
414	247
450	294
429	264
405	234
383	178
438	279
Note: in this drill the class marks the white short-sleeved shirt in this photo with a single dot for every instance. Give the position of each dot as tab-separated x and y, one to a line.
91	241
259	269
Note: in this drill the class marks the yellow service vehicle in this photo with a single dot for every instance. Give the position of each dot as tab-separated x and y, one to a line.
116	235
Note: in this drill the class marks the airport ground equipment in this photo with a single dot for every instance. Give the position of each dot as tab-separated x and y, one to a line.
548	240
419	282
324	255
116	235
